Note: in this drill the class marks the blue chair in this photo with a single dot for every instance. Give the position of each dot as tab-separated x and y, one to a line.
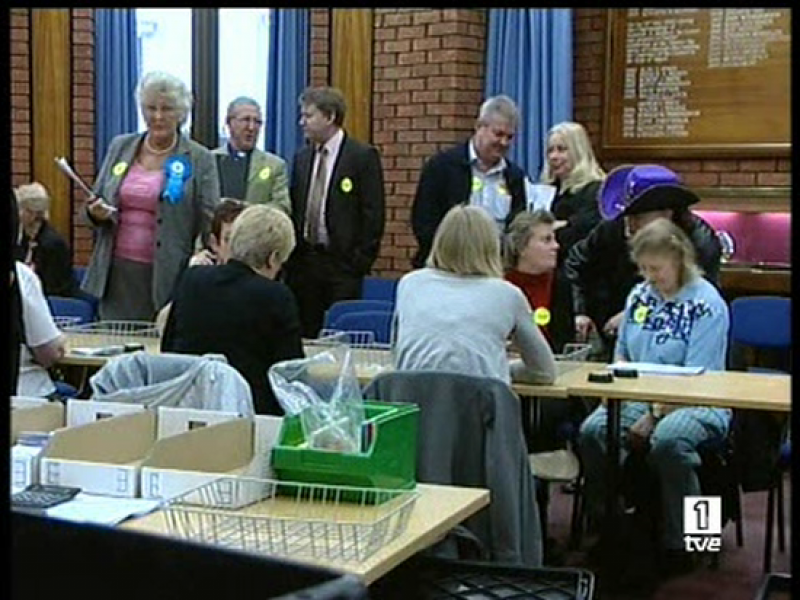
378	288
762	323
377	321
337	309
62	306
79	274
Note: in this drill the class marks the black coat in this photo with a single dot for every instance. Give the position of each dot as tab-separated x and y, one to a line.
602	273
52	261
445	181
579	208
230	309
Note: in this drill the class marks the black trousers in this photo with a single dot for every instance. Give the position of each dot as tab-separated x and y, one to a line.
318	279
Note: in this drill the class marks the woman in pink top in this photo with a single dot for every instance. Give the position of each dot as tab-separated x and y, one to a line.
154	197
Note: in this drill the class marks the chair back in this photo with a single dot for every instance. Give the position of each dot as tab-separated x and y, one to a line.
62	306
379	322
78	274
337	309
378	288
762	321
470	434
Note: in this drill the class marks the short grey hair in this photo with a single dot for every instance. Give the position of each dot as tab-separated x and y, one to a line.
166	84
259	232
34	197
501	106
241	101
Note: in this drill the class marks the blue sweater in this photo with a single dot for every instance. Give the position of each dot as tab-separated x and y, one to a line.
691	329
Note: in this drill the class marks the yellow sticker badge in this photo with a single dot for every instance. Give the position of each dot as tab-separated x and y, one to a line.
541	316
265	173
477	184
347	185
640	314
119	169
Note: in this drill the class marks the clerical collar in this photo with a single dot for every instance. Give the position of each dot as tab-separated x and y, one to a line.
238	153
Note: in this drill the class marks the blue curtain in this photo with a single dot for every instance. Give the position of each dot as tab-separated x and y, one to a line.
116	75
529	58
287	77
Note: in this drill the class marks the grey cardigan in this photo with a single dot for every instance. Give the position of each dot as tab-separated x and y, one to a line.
178	225
470	434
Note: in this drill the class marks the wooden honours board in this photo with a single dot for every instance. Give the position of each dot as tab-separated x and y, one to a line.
684	82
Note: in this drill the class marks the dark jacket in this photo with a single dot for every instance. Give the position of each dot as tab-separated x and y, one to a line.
229	309
52	261
445	181
579	208
601	270
354	206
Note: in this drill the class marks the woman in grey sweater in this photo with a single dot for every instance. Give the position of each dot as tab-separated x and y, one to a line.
458	313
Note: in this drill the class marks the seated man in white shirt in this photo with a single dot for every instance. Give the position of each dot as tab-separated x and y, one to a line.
43	343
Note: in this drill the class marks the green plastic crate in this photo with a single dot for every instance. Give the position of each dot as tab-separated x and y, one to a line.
390	463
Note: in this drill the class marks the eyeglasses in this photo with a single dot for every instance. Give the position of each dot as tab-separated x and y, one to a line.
249	121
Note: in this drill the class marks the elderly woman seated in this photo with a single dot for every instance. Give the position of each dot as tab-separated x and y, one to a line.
458	313
674	317
237	309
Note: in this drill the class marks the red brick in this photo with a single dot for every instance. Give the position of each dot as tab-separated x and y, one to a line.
411	58
20	101
397	46
396	176
425	123
412	163
385	60
395	72
82	37
408	110
737	179
397	20
320	17
426	96
397	98
382	34
411	84
459	68
784	164
427	16
427	43
414	32
20	21
426	70
767	164
397	150
20	48
20	34
447	28
774	179
384	111
405	189
701	179
411	136
458	41
443	56
83	13
424	150
83	142
720	165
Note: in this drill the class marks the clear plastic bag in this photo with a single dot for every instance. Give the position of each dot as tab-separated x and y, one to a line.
325	392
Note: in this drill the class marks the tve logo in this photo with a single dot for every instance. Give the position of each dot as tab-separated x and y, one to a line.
702	523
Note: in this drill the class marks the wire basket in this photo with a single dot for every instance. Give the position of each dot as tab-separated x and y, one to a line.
336	523
64	323
369	356
109	338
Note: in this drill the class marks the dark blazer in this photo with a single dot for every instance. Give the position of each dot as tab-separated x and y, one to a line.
602	273
229	309
446	180
580	210
354	206
52	260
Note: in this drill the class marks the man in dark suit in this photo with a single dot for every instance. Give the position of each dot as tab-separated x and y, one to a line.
337	208
475	172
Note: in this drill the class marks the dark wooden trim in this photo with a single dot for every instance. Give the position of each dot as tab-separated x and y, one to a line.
205	76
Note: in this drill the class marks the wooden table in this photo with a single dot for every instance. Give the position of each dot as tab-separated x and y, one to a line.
724	389
437	510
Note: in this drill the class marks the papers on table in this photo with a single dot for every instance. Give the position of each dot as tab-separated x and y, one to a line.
656	369
101	351
103	510
539	195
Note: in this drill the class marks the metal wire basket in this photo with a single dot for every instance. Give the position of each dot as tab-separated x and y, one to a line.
108	338
571	355
368	354
64	323
336	523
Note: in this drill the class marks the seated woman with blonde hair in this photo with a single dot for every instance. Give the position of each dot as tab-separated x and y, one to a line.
458	313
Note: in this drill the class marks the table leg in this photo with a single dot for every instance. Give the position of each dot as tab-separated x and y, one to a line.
612	453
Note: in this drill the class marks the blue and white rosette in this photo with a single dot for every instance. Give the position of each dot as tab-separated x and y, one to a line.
178	170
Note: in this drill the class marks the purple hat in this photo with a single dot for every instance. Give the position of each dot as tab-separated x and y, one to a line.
632	190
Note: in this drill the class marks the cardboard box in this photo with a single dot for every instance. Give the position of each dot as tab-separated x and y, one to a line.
27	402
43	418
80	412
102	457
172	420
233	448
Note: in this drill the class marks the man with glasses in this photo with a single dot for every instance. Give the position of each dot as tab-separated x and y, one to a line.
246	172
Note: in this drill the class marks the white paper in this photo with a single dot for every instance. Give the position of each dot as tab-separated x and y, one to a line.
67	169
104	510
657	369
539	195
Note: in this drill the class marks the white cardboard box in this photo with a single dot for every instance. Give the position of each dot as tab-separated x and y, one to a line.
27	402
239	447
172	420
24	459
102	457
80	412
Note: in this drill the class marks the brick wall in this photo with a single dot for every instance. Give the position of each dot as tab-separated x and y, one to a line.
589	49
320	63
82	123
427	87
21	159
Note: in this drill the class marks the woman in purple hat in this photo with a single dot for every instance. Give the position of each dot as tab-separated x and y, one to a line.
600	268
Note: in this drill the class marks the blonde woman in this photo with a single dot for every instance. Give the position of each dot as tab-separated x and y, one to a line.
458	312
155	193
42	248
237	308
572	167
